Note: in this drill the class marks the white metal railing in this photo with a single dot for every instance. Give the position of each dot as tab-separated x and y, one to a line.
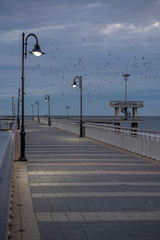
68	125
6	168
143	142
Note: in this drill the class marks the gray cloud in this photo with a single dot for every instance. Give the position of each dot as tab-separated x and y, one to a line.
98	39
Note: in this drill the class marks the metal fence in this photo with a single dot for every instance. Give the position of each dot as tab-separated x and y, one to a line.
143	142
68	125
6	166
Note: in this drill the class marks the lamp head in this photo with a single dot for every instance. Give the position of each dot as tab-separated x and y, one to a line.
74	84
126	75
36	50
45	99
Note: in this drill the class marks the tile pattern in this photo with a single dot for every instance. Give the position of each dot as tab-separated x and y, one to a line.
85	190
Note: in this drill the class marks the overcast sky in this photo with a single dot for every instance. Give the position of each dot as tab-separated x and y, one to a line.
97	39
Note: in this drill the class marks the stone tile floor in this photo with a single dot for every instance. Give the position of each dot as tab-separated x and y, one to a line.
77	188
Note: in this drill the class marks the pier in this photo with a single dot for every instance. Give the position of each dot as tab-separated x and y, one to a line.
79	147
129	116
79	188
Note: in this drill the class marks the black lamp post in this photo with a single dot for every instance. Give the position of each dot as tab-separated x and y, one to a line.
12	106
80	87
67	107
37	52
32	111
37	104
47	99
18	106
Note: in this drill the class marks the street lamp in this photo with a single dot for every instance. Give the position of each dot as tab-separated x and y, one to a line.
67	107
37	52
18	106
12	106
32	111
14	109
80	87
47	99
37	104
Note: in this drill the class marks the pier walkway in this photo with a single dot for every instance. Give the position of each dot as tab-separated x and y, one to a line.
75	188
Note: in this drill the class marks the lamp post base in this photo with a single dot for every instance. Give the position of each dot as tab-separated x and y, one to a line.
49	122
22	149
22	159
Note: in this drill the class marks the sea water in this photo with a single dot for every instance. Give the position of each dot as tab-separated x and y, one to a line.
150	123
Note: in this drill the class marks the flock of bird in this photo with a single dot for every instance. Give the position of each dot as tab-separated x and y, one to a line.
95	79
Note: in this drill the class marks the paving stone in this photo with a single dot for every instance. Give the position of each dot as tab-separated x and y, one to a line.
85	190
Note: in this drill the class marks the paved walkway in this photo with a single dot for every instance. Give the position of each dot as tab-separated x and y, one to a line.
74	188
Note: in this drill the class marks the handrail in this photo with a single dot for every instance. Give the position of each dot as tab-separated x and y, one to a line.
143	142
6	166
125	128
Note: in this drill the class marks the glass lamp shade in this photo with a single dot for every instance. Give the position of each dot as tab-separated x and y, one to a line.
36	50
74	84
